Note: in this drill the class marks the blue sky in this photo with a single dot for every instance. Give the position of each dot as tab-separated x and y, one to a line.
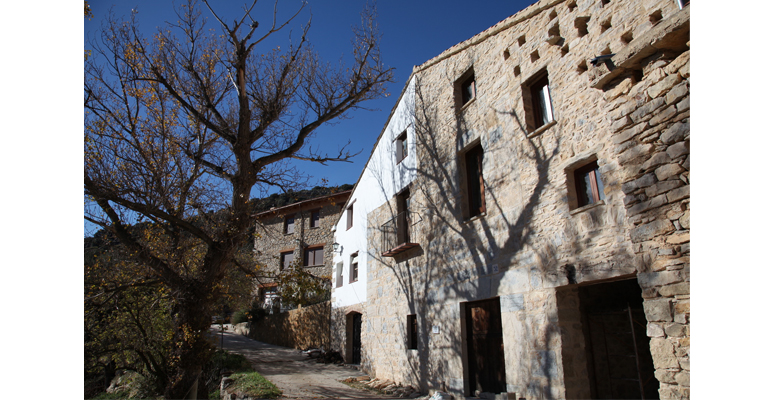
412	33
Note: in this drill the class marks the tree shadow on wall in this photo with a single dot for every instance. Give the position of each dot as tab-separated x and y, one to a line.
455	259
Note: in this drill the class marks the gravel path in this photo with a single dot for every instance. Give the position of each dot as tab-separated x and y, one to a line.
296	375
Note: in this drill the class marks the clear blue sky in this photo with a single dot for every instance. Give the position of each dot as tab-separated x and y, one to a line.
412	33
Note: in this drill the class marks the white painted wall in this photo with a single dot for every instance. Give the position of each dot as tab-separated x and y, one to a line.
382	178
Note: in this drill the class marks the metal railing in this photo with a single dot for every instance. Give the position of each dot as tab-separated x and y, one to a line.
398	232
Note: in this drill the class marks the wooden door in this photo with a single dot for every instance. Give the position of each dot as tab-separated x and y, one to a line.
486	361
356	348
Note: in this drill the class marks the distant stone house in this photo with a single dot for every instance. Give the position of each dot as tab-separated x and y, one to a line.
296	233
525	212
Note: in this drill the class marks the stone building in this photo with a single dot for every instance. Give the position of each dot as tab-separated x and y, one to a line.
537	242
296	233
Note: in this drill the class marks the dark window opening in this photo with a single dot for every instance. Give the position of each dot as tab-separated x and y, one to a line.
468	89
315	219
288	226
474	159
538	107
542	102
588	184
354	268
314	256
350	216
401	147
411	331
287	258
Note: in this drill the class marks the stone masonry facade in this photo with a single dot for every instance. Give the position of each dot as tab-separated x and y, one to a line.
272	240
557	267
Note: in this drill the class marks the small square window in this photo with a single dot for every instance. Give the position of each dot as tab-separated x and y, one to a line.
287	258
314	256
411	331
315	219
401	147
588	184
474	180
537	96
350	216
465	89
354	268
288	224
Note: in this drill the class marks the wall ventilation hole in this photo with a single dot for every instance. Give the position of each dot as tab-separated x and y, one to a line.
656	16
606	51
506	54
605	2
552	15
554	30
564	50
516	71
606	25
522	40
582	67
571	6
581	23
534	56
627	37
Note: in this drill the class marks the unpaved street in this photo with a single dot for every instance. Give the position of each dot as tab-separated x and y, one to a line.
296	375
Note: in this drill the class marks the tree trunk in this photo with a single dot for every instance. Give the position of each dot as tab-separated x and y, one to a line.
192	348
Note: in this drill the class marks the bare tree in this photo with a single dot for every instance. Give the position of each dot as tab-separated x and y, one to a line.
189	121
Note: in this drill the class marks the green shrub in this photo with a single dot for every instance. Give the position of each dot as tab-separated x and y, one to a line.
255	385
223	362
239	316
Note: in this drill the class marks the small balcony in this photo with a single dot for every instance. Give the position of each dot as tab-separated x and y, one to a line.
397	234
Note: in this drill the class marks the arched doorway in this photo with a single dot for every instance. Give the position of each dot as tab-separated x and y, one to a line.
353	342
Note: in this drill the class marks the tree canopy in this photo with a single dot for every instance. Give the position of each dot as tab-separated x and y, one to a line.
190	120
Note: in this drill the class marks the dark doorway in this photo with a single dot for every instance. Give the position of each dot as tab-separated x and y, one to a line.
354	338
486	362
618	349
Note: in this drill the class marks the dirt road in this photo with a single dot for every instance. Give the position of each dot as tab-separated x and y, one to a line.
296	375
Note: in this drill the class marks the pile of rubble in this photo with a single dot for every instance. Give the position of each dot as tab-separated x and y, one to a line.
326	357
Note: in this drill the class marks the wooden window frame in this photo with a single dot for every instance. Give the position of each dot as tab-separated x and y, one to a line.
353	268
595	184
313	214
286	224
402	147
474	180
350	216
537	113
465	89
283	259
313	250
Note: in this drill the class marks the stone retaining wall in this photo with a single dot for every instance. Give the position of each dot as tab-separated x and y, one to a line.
303	328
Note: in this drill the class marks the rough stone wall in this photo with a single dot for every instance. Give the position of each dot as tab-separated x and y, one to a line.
303	328
271	240
651	134
533	243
